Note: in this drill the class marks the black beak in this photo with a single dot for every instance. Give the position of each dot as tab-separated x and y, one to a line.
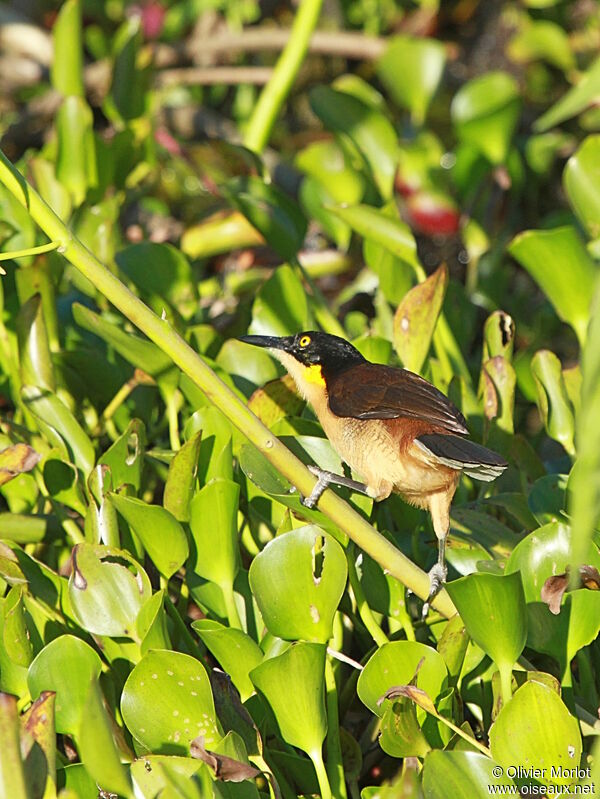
274	342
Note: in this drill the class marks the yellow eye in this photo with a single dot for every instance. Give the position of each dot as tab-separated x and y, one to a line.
305	341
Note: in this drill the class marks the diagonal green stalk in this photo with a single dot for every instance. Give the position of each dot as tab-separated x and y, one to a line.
163	335
277	89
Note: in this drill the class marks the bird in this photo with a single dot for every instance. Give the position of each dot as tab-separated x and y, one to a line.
391	426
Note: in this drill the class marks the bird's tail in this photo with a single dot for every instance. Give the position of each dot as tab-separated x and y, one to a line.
460	453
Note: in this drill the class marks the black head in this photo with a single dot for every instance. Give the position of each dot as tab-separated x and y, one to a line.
312	348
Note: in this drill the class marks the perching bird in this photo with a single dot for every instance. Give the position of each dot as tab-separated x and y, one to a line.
389	425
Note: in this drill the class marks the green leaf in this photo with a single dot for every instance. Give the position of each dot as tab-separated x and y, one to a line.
485	112
181	479
66	665
34	352
167	702
213	523
38	724
51	412
161	271
237	653
280	307
411	70
250	367
544	40
67	66
161	534
300	712
12	777
492	607
76	157
576	100
151	774
15	460
536	731
559	262
396	663
151	624
552	398
461	775
298	580
129	81
106	596
401	735
326	162
581	180
97	748
416	317
14	633
367	128
547	498
272	212
62	483
125	458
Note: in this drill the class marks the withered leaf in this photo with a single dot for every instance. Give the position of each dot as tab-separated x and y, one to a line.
225	768
554	587
16	460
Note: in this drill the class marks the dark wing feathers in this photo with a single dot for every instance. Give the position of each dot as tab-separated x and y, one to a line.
371	391
460	453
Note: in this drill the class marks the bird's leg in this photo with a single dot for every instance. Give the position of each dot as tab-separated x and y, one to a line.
437	575
326	479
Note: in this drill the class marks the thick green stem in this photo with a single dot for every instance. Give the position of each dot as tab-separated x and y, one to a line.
364	611
164	336
505	683
324	787
335	765
277	89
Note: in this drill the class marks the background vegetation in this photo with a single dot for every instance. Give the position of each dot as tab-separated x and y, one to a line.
420	177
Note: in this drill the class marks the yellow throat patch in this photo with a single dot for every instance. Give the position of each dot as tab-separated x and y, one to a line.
313	374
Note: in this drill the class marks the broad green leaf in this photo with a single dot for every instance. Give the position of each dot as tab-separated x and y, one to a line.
536	731
452	646
237	653
298	580
138	351
125	458
300	712
280	307
76	158
213	523
544	40
276	400
548	497
181	479
485	112
67	665
249	367
151	624
272	212
416	317
159	531
159	270
316	200
97	748
498	336
106	596
461	775
581	179
167	702
151	774
67	66
492	607
12	776
563	635
62	482
378	226
14	631
34	353
50	188
558	261
552	398
411	69
396	663
129	80
576	100
401	735
51	412
326	162
367	128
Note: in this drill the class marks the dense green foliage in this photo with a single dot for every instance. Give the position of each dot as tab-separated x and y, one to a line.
173	622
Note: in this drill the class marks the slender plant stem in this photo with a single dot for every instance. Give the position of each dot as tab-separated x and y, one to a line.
364	611
325	788
335	765
163	335
505	683
277	89
48	247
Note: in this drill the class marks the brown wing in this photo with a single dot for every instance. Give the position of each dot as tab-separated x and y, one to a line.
371	391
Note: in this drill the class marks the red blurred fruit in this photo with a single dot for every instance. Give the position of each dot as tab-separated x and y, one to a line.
153	17
432	214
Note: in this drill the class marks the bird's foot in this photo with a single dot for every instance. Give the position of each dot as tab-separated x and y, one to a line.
325	479
437	578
